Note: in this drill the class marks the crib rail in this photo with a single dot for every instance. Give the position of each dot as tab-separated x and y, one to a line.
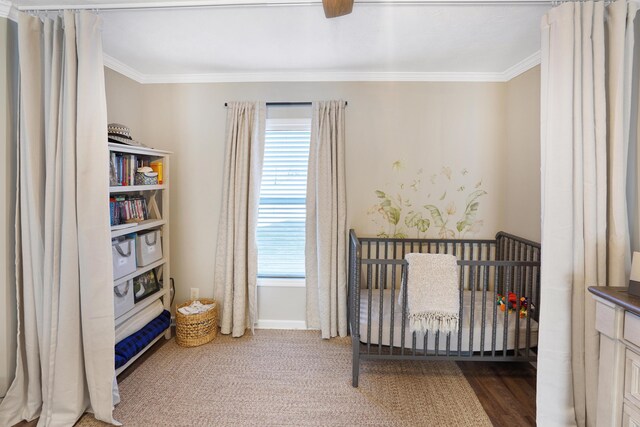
488	268
514	248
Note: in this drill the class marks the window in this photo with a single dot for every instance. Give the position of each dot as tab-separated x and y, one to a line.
282	211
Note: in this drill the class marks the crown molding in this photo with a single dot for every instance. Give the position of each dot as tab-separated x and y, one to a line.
7	10
525	65
328	76
124	69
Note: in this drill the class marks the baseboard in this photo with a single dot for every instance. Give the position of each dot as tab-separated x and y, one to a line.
281	324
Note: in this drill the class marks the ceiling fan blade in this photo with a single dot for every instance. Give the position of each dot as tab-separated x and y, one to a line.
335	8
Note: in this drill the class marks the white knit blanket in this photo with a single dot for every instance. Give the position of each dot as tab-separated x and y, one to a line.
433	297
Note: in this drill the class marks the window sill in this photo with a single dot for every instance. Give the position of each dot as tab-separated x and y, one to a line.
281	282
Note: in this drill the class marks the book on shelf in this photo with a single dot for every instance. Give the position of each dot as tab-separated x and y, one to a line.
128	209
123	168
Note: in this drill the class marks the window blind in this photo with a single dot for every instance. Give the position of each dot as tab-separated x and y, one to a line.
282	212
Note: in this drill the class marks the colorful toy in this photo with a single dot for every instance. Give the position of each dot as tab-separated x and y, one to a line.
512	304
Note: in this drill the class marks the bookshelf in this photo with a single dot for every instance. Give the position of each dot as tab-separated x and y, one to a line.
154	215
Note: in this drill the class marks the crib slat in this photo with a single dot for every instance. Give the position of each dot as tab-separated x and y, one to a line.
536	287
413	343
393	306
377	266
461	303
383	278
478	283
478	269
404	307
518	291
395	251
448	351
369	299
529	293
386	250
505	334
425	343
496	273
472	308
483	327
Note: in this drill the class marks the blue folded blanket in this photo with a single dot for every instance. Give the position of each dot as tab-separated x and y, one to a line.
133	344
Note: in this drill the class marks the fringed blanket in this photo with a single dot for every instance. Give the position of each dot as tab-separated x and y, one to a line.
433	297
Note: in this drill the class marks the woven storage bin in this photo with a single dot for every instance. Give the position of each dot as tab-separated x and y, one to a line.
196	329
141	178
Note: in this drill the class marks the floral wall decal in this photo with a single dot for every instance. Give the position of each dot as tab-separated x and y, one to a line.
435	212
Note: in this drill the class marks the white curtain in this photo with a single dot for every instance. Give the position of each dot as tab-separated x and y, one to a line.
326	224
65	360
236	260
586	75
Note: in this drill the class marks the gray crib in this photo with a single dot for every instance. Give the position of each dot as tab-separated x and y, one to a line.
488	269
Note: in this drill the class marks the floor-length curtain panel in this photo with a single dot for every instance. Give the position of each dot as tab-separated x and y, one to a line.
620	60
65	362
577	205
236	263
326	224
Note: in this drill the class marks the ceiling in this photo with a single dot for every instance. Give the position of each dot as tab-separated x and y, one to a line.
378	41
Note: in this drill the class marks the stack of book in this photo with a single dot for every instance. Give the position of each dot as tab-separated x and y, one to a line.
124	167
127	209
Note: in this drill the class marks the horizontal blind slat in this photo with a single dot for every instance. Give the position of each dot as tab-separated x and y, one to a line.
282	211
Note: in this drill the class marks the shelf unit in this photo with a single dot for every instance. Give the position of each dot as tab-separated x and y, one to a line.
160	194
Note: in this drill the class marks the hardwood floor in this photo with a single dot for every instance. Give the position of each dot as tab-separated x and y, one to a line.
507	391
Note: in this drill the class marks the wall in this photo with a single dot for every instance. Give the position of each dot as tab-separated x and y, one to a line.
124	101
522	209
451	137
8	107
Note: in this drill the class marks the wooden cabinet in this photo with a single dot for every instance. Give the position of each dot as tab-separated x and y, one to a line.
157	201
630	417
618	322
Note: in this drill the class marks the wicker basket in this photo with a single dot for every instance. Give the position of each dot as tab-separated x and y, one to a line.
196	329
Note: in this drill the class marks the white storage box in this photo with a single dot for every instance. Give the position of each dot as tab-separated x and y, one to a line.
148	248
124	257
123	298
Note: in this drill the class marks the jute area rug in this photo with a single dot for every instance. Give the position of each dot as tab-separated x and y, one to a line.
290	378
